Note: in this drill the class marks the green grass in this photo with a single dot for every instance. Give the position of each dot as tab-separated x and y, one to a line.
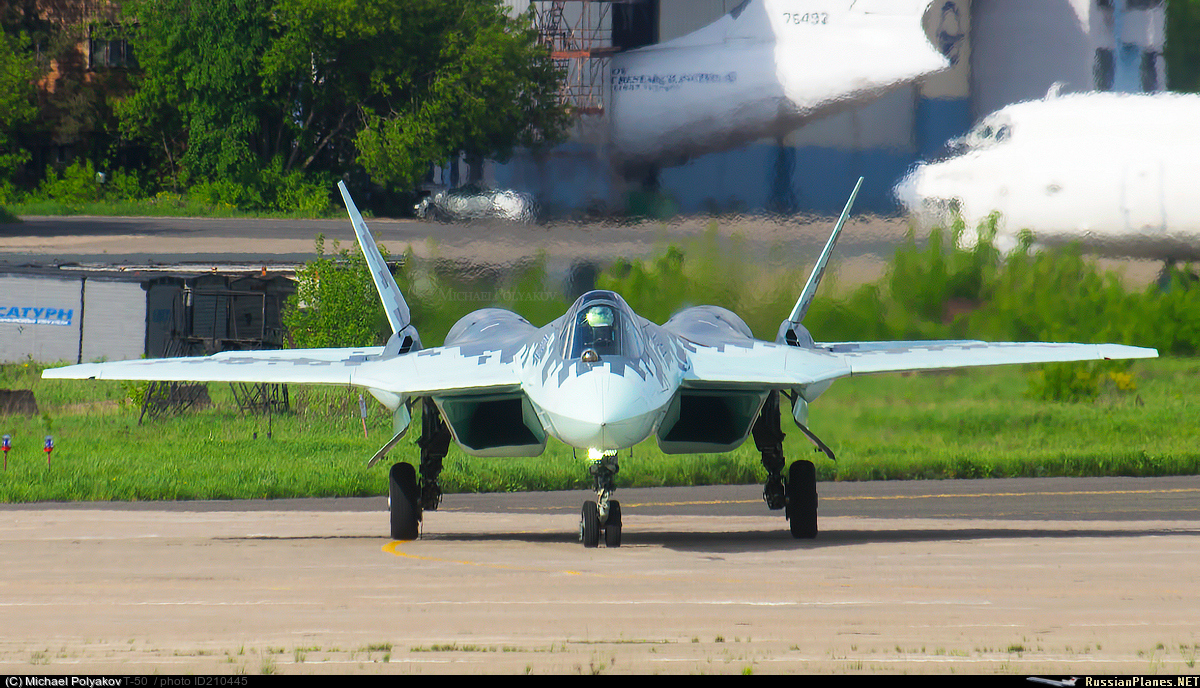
164	205
976	423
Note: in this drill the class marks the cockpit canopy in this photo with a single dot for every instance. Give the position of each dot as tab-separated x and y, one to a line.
992	130
602	322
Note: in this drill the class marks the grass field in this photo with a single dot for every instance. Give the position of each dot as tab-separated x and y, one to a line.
975	423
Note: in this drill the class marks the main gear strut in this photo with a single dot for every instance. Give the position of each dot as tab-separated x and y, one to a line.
434	443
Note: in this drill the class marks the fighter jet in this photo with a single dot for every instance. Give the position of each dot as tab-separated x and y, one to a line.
601	379
1112	171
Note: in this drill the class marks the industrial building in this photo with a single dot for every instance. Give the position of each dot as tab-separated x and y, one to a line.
56	315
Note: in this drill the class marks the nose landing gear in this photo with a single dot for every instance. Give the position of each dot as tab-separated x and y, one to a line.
604	514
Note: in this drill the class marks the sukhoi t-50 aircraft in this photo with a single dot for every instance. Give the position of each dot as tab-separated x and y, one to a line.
600	379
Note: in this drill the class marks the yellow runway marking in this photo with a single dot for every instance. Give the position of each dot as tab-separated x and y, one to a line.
1077	493
934	496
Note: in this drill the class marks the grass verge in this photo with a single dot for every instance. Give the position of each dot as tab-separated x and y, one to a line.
974	423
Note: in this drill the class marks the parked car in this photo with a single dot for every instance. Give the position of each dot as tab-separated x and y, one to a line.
478	202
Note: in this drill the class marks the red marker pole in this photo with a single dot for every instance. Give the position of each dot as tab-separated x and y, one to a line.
49	448
6	444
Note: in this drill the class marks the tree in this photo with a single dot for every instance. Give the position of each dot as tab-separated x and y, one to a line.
235	86
1182	51
199	98
17	75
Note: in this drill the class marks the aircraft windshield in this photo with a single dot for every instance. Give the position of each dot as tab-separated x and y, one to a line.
603	327
989	132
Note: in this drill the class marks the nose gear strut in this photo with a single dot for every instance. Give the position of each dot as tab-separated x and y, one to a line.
603	470
604	514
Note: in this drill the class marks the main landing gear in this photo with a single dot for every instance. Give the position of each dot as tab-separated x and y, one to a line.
408	499
797	495
604	514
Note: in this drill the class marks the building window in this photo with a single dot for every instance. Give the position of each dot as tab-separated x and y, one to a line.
1104	69
1150	71
108	48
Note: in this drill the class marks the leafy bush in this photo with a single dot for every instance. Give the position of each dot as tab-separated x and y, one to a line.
335	304
270	189
79	184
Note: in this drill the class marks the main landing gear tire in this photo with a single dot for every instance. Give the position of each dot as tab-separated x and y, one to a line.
801	507
612	527
404	502
589	525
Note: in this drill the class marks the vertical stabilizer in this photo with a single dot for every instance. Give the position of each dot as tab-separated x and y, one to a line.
814	280
393	301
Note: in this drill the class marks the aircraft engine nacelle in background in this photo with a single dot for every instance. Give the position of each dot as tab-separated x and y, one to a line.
1115	172
761	71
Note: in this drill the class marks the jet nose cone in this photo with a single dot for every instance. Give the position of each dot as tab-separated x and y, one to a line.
600	409
906	192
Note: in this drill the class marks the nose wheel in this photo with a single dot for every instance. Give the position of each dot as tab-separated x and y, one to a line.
591	527
602	516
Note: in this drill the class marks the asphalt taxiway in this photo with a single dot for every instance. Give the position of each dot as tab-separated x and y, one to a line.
1070	576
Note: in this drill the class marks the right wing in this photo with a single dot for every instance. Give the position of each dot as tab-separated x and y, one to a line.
441	370
313	366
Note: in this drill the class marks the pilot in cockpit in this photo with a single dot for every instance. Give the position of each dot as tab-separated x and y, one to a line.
596	330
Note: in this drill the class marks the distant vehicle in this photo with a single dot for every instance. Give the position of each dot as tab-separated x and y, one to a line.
478	202
1115	172
760	71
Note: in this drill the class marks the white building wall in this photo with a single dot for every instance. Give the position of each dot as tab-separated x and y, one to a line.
680	17
114	321
39	319
1022	47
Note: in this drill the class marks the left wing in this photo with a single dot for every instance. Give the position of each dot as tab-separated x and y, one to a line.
884	357
766	365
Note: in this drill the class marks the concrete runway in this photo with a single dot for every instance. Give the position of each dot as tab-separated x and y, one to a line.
1059	576
135	240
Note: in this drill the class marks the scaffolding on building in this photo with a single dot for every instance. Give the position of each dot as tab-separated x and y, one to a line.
580	37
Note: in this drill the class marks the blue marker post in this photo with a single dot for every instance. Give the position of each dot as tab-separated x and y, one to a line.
6	445
49	448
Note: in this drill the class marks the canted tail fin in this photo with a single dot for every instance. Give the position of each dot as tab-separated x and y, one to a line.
404	335
814	280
